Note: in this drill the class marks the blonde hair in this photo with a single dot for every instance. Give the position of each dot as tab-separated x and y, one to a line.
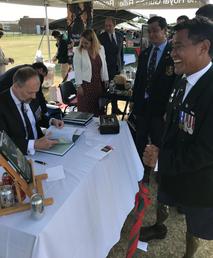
90	35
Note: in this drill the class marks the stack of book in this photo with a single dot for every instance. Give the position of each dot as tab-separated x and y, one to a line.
78	118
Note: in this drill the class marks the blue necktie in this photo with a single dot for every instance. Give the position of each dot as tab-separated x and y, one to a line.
152	64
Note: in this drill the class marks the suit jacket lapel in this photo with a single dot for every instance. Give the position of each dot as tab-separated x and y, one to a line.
146	57
189	101
14	110
169	111
198	88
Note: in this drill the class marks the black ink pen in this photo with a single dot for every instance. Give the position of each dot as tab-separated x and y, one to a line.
40	162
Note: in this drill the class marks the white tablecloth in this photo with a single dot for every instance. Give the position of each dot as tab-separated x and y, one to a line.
90	204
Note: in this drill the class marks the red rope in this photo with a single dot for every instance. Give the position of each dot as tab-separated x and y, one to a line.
141	198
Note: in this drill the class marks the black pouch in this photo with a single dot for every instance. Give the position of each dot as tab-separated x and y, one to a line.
109	124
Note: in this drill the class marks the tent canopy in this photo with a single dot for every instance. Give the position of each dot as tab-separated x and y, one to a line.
117	4
98	19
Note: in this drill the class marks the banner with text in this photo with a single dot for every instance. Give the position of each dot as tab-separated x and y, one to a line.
149	4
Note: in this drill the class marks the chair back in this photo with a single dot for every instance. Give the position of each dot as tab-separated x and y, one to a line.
67	88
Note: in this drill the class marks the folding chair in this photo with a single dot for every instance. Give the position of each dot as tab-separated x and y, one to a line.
68	95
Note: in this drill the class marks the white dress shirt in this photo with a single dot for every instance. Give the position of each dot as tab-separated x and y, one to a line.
114	36
161	48
193	78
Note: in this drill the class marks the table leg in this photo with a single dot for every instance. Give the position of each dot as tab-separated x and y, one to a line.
125	108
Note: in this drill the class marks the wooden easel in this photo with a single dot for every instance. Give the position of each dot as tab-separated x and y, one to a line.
29	189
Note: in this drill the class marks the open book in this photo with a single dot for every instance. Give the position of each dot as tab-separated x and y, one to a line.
66	138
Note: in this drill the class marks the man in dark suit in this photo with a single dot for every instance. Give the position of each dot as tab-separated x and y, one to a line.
186	154
113	45
19	117
152	86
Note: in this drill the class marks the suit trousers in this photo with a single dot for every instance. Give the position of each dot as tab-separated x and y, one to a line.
149	129
198	219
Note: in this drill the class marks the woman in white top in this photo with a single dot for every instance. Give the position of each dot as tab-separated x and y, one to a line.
91	73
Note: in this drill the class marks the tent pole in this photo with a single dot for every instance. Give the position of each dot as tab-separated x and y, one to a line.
47	30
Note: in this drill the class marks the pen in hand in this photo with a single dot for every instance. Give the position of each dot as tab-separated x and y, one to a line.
40	162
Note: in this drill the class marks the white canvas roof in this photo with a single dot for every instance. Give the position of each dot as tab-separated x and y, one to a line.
118	4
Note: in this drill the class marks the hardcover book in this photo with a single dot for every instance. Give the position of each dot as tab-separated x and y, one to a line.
79	118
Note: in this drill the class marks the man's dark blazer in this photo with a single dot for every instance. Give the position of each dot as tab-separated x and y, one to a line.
160	85
6	81
186	157
12	123
114	54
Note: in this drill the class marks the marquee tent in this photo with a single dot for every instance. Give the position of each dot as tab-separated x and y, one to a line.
99	17
117	4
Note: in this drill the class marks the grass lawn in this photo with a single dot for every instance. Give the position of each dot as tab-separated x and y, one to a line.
23	49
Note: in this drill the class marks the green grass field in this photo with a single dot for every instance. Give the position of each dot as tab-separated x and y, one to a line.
23	49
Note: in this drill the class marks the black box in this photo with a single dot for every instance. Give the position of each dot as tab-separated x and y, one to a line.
109	124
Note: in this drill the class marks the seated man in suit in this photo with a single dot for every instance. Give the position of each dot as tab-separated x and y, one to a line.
18	117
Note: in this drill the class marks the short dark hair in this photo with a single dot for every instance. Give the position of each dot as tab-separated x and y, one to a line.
110	18
24	74
199	29
56	34
1	33
161	21
206	11
40	65
183	18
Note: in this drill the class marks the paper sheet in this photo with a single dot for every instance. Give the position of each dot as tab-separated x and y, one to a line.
55	173
142	246
65	134
99	152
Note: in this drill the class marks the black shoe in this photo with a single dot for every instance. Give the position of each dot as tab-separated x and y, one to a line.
153	232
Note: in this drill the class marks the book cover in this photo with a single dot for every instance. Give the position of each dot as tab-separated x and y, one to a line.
58	149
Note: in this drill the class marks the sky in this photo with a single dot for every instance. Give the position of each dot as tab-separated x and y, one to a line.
12	12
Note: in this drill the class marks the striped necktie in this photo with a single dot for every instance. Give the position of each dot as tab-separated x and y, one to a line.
151	69
113	39
29	130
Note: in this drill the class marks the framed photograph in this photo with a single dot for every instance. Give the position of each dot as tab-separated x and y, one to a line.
15	157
